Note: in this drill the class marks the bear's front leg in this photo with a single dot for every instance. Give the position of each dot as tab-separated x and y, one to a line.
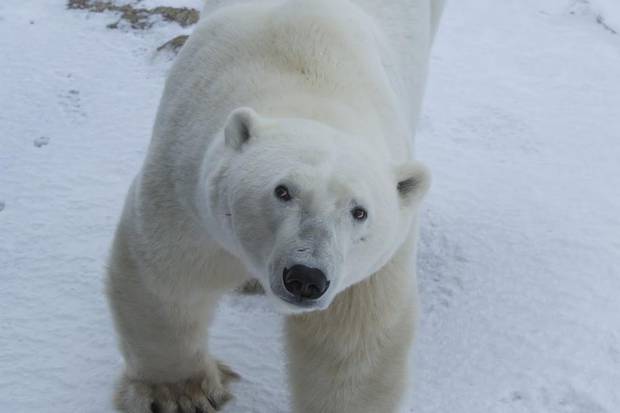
163	341
353	357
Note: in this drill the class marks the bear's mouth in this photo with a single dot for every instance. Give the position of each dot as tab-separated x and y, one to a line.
299	302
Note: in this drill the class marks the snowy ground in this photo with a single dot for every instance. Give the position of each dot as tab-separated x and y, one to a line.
520	246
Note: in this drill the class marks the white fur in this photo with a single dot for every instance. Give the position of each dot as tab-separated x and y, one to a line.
321	96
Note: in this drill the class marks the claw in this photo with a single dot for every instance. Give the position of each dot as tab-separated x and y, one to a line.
213	403
228	373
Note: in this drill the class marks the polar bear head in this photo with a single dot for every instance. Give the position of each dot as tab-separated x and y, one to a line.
309	209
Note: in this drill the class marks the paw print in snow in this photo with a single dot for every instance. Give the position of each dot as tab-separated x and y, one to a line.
41	141
71	104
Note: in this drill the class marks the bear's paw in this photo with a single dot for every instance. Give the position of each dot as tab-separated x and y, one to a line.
206	393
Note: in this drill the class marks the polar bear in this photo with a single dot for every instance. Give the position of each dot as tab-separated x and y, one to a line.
281	152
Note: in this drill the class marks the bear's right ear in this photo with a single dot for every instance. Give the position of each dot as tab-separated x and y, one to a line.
240	127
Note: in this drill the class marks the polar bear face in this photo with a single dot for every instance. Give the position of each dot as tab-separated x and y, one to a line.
308	209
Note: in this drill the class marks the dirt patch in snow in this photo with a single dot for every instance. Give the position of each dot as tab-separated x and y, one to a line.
137	17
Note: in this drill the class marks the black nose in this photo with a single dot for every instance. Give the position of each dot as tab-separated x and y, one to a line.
305	282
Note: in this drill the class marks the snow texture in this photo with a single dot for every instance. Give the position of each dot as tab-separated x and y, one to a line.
519	260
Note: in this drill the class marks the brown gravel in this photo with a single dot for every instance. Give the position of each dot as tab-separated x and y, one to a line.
138	18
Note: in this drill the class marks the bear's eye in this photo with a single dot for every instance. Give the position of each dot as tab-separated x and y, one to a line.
359	213
282	193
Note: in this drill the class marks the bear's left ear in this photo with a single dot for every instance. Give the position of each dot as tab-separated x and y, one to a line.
413	181
240	127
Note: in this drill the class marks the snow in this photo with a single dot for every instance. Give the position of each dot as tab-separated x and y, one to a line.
519	260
